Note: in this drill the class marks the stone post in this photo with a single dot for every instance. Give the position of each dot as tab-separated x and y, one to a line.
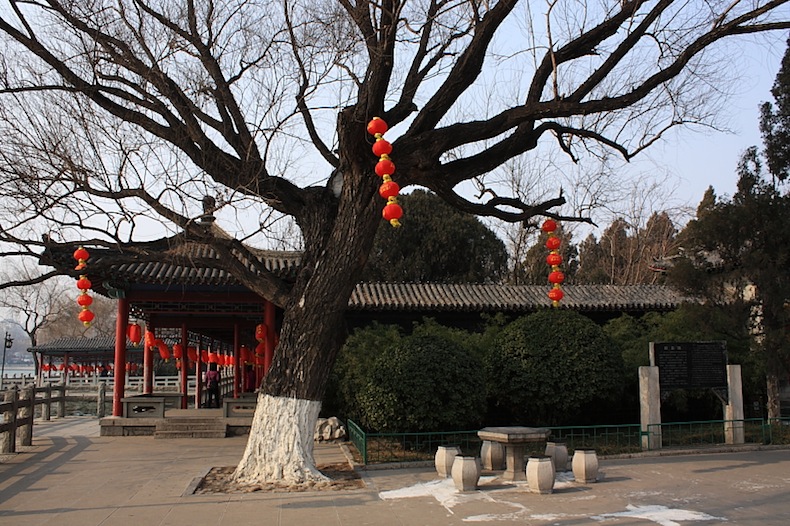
733	411
46	407
62	400
25	432
8	439
100	398
650	407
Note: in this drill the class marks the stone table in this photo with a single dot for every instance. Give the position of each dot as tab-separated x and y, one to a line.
515	440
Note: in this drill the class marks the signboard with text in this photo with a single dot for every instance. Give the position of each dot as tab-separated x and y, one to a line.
690	365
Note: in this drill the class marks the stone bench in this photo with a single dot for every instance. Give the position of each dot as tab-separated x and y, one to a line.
234	407
143	406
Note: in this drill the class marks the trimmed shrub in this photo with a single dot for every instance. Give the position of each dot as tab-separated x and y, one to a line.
423	383
549	368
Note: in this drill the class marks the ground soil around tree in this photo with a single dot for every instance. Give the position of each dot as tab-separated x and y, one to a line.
341	477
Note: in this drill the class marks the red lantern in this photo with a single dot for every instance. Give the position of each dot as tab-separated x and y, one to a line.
86	317
389	189
203	356
192	353
133	332
556	294
392	211
213	358
260	332
549	225
553	243
178	350
83	283
554	259
164	352
260	349
377	126
244	354
381	147
385	167
81	255
150	339
556	277
84	300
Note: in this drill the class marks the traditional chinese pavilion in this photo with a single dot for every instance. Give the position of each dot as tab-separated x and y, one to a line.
191	304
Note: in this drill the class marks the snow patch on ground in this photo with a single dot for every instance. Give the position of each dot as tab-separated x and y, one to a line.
659	514
443	490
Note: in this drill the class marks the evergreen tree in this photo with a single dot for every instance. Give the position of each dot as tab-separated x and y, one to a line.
775	123
738	251
626	255
442	244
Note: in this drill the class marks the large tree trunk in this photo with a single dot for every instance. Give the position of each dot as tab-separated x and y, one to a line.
337	244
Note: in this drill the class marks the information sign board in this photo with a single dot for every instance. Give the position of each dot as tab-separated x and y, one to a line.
690	365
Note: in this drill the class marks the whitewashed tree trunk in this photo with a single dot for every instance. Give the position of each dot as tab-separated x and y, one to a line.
280	447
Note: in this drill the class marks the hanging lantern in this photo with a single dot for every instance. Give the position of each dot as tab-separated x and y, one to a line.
393	211
203	356
86	317
554	259
244	354
134	333
260	349
84	301
213	358
385	168
164	353
192	353
556	277
553	243
150	339
381	147
549	226
260	332
81	255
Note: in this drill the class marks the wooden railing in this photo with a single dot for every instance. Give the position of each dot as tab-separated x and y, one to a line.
18	408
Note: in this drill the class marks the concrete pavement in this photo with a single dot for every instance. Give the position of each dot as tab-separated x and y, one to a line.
72	476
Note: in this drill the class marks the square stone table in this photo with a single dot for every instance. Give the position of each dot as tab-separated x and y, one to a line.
515	440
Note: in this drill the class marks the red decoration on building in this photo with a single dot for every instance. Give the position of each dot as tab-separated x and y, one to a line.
554	259
84	284
134	333
260	332
385	168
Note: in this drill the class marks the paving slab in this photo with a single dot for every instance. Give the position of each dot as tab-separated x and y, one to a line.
73	476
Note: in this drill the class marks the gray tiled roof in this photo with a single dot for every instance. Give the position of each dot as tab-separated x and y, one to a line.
279	263
510	298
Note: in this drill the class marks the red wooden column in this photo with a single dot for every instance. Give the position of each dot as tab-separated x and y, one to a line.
270	321
184	367
199	375
236	361
119	369
148	364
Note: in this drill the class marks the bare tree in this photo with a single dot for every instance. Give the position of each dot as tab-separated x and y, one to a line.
47	310
116	110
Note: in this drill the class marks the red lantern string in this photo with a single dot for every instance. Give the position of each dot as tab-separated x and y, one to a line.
84	284
389	189
554	260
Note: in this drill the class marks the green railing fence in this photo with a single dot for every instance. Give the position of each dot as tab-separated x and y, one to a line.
375	448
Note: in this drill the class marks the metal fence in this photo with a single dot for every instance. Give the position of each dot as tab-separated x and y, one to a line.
375	448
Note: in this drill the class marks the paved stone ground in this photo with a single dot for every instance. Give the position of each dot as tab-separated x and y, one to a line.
72	476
